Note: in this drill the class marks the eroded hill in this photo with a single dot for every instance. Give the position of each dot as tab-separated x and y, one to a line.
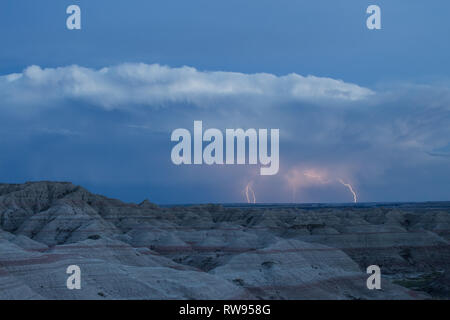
142	251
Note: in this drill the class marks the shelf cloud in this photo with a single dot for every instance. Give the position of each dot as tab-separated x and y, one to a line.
127	85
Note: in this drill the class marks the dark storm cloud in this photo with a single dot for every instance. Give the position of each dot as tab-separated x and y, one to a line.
112	126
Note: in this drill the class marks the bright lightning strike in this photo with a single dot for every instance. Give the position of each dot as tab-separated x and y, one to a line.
302	178
249	193
349	186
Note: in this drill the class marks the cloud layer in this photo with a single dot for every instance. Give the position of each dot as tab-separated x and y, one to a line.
112	126
126	85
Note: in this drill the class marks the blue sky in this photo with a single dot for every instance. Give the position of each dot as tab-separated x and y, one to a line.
391	142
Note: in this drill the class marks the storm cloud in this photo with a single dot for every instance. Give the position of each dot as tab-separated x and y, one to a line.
100	127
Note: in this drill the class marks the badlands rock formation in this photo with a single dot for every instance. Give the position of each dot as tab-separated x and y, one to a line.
130	251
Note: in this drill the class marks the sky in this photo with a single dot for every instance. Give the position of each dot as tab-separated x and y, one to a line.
355	107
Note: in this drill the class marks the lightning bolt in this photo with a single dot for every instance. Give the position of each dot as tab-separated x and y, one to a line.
349	186
249	193
300	178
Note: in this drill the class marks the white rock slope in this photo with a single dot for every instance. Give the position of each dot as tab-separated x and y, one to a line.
129	251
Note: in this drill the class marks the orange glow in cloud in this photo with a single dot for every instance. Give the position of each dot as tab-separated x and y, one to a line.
298	178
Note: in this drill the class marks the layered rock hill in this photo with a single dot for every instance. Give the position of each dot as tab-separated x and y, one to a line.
142	251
